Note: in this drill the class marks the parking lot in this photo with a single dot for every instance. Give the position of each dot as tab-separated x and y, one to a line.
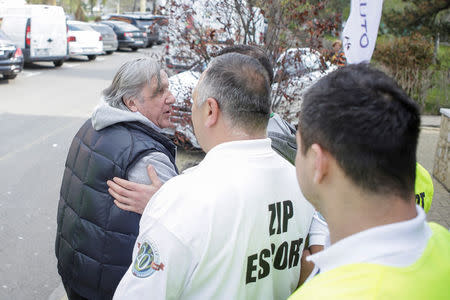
40	112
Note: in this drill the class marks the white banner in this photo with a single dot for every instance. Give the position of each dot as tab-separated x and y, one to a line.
361	30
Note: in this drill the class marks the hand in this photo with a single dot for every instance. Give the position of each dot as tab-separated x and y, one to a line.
132	196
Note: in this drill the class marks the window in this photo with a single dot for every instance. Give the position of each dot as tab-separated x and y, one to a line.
79	27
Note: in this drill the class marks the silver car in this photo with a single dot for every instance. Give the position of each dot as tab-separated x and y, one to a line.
110	43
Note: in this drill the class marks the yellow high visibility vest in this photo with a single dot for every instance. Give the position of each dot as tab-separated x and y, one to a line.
428	278
423	188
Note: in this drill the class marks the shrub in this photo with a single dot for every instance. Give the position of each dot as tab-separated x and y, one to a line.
408	60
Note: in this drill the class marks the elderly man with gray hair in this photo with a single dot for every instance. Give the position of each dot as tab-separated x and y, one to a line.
95	238
233	227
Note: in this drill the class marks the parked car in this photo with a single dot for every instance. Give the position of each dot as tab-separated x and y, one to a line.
128	36
11	57
146	22
295	70
163	23
83	40
180	57
109	38
39	30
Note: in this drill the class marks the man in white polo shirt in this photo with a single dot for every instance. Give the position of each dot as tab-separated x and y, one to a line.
356	163
233	227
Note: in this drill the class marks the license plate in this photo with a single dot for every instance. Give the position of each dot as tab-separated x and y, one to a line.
2	52
41	52
139	42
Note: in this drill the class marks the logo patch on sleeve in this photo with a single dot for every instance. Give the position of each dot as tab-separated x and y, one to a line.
147	260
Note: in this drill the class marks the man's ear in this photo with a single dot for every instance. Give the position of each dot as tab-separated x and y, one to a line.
212	111
321	163
131	104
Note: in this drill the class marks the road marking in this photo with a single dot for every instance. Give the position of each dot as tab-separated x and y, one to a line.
39	140
27	74
100	59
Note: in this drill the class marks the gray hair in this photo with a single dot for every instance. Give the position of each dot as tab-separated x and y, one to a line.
131	79
240	85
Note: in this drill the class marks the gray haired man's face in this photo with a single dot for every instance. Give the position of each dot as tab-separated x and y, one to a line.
157	105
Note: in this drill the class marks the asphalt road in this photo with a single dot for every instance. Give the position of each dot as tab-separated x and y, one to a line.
40	112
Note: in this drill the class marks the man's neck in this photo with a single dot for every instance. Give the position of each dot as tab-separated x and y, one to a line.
233	135
353	211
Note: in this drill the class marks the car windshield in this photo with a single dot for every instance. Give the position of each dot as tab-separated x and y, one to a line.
102	29
126	27
79	27
144	23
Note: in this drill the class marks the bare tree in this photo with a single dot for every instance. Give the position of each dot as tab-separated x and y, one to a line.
198	29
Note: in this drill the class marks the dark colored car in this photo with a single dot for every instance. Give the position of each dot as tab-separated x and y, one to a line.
11	57
109	38
163	23
144	21
128	36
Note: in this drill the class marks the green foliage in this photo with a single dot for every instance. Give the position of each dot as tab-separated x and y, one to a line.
403	17
304	22
408	61
444	56
438	95
404	52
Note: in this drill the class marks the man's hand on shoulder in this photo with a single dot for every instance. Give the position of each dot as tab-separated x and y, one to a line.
132	196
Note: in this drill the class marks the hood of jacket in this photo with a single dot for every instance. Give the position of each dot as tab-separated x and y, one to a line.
105	115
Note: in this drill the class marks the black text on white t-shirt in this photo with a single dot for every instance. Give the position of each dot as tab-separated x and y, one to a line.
286	255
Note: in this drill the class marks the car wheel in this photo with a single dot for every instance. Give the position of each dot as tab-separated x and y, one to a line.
92	57
133	49
109	52
58	63
149	45
12	76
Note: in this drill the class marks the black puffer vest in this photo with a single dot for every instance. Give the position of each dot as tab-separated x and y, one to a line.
95	238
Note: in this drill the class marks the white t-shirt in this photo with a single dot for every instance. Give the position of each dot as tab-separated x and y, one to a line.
319	233
234	227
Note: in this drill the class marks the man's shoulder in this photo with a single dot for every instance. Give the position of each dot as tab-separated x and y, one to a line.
172	197
346	282
113	139
426	277
178	208
438	244
439	231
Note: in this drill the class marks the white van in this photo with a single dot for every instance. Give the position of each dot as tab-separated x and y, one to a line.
40	30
